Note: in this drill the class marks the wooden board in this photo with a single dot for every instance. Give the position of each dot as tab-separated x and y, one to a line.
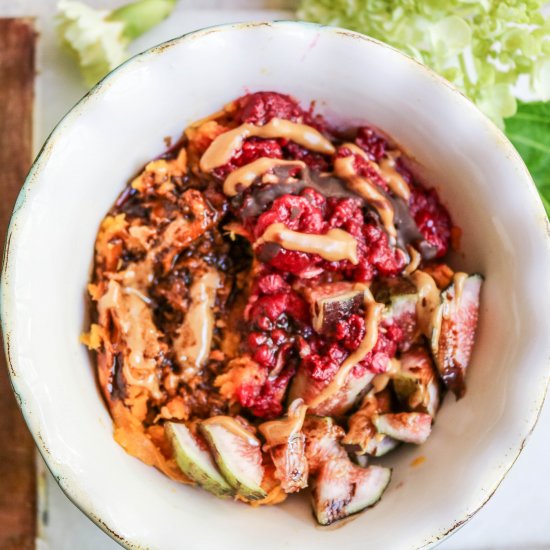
17	450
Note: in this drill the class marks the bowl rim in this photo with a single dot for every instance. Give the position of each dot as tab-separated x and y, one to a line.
69	484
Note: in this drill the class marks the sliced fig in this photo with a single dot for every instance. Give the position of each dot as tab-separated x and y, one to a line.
408	427
287	445
387	288
193	457
237	453
362	436
416	384
402	313
323	437
342	489
400	297
454	330
380	445
333	399
333	302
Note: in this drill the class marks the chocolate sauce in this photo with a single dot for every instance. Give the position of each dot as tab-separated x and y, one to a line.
268	251
407	230
261	197
329	186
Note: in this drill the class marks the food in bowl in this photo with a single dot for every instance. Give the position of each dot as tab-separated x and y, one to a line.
272	309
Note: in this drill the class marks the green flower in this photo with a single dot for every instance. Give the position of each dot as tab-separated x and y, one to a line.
98	39
482	46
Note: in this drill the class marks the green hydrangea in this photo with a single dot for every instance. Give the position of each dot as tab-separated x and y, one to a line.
98	39
482	46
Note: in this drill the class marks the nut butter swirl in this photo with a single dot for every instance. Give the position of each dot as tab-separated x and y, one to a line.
222	149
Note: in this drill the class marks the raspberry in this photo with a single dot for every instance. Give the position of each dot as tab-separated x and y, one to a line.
346	214
363	168
371	142
380	255
291	261
256	339
296	212
272	283
260	107
252	149
350	332
315	161
267	402
431	217
265	356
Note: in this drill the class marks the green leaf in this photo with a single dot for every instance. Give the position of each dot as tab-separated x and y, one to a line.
141	16
98	39
529	131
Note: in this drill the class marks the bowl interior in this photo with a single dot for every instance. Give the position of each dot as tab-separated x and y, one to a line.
121	125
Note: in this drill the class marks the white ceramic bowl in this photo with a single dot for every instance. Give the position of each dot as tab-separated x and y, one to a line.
121	124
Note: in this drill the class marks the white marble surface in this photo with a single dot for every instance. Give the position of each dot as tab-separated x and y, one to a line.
517	517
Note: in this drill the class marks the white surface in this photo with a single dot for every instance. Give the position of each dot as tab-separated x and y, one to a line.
516	517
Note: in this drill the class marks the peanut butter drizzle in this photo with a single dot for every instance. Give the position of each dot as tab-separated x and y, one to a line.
387	169
233	426
428	302
373	315
380	381
414	261
193	343
344	168
394	179
246	175
225	145
335	245
459	279
137	327
278	432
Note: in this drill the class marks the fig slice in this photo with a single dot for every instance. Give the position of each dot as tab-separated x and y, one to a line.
332	302
401	299
323	437
408	427
362	436
195	461
287	445
342	488
237	453
454	330
416	384
337	399
381	445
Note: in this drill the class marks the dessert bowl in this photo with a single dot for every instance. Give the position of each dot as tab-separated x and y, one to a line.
123	123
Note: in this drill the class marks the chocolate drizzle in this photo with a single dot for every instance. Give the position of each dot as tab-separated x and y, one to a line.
407	230
254	202
261	197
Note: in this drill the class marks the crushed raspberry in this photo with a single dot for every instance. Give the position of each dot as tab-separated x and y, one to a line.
431	217
272	283
350	333
294	262
296	212
315	161
265	401
252	149
371	142
323	367
363	168
280	337
346	214
380	255
274	305
260	107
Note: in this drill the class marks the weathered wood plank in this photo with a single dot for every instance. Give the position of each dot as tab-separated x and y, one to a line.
17	451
